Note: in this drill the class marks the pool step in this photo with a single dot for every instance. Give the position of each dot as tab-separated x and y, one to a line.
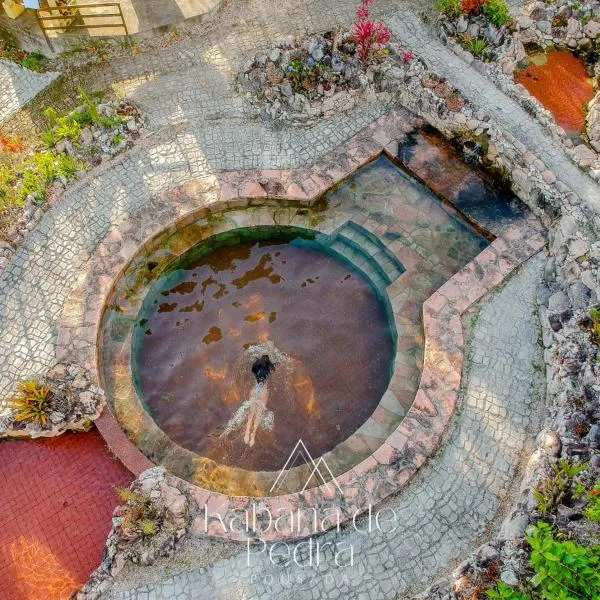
367	252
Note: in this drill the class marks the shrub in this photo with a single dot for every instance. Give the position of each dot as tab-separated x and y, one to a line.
503	592
33	403
497	12
140	516
564	570
449	8
557	488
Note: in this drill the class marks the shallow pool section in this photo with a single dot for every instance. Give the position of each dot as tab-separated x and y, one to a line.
270	290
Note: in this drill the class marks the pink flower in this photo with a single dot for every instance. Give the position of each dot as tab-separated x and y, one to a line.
407	57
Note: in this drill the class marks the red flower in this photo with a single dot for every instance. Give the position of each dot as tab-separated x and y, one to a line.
368	34
407	57
362	13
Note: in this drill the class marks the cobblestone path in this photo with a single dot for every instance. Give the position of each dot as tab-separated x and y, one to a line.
444	510
18	86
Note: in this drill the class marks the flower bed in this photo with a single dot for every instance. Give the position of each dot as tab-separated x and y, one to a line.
32	178
300	80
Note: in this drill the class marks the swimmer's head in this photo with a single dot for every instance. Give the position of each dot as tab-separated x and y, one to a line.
262	368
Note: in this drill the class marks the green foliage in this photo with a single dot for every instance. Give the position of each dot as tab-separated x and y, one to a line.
497	12
503	592
34	175
450	8
119	137
557	488
140	516
33	402
476	46
565	570
32	62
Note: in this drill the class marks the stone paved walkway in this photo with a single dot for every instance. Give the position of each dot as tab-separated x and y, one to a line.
18	86
443	512
54	522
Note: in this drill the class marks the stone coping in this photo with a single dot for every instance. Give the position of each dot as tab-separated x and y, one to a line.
415	439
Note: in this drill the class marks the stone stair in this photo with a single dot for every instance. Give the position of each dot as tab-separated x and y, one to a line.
366	252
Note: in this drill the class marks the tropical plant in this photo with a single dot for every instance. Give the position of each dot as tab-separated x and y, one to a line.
564	569
33	402
369	34
497	12
504	592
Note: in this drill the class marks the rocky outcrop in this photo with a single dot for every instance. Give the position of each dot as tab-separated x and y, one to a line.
301	80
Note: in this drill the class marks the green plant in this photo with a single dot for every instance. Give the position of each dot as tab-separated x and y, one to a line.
592	511
564	570
449	8
33	402
557	488
32	62
140	514
119	137
497	12
503	592
476	46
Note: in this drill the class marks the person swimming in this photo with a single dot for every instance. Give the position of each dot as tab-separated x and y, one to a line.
254	410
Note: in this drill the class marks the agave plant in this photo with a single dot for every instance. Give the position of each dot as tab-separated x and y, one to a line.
32	403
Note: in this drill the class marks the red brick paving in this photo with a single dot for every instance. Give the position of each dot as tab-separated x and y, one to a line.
56	502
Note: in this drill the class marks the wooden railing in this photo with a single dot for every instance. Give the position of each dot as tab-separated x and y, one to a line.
75	16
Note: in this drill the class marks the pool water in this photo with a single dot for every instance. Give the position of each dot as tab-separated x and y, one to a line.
200	318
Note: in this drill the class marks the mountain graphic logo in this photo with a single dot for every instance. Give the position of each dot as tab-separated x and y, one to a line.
320	470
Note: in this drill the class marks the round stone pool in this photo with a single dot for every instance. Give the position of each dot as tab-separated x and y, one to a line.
240	295
201	302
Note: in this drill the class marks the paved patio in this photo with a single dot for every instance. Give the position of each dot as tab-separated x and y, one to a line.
56	502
